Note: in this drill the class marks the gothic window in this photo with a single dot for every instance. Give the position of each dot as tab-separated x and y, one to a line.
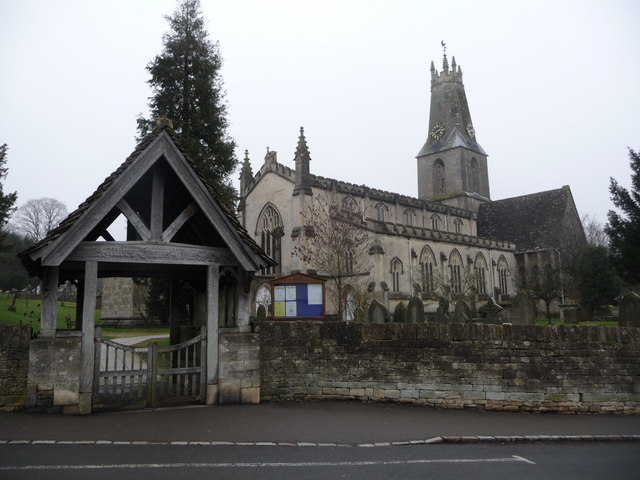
349	205
455	271
439	179
396	271
480	271
435	222
381	209
475	175
427	266
503	273
271	232
457	225
409	216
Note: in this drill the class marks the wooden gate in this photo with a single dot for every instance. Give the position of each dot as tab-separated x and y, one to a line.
149	376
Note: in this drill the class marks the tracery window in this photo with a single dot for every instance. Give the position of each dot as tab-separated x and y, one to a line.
480	271
457	225
435	222
475	175
396	271
271	232
503	273
349	205
439	179
427	266
455	271
381	209
409	216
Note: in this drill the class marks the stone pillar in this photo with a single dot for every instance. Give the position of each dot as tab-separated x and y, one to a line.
213	287
49	301
87	344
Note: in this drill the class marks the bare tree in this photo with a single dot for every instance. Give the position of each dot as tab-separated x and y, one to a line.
544	284
37	217
594	230
335	243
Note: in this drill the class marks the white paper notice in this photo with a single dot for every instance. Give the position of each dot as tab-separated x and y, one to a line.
278	292
292	311
314	293
291	292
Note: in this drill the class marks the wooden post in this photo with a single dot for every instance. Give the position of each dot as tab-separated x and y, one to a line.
213	284
49	312
88	345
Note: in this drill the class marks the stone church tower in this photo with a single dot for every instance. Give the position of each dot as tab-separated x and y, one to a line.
452	166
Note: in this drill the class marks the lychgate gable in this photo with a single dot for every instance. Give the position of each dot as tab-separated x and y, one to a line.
177	228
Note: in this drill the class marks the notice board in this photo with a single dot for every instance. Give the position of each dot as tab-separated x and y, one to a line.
298	296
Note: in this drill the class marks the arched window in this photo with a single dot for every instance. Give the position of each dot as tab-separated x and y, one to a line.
455	271
427	266
396	271
480	272
435	222
439	179
409	216
381	209
503	273
457	225
349	205
270	231
475	175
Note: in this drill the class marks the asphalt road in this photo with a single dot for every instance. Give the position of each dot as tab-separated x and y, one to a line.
564	461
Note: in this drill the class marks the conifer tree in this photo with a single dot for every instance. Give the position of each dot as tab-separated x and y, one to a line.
7	200
624	231
188	89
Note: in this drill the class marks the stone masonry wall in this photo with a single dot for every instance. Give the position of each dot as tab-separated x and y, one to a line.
492	367
14	366
54	373
239	368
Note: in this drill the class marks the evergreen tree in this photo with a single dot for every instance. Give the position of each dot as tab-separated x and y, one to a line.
7	200
188	90
598	283
624	231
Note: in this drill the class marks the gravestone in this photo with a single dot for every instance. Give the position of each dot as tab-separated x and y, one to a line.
377	313
523	311
630	310
491	311
462	312
261	314
359	315
570	315
400	313
442	314
415	311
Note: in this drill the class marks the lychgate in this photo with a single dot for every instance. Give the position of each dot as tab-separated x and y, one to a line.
177	230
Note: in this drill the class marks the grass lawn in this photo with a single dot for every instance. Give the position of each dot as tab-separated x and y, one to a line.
27	312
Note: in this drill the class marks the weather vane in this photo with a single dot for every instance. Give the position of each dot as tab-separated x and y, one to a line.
444	46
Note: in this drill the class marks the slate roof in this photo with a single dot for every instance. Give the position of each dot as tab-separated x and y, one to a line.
71	219
531	221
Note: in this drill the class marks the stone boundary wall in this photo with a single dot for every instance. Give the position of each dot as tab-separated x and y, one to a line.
239	368
492	367
14	366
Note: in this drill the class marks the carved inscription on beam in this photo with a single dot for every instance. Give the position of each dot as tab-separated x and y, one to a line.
142	252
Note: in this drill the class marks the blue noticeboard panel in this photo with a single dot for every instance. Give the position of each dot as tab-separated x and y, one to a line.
300	300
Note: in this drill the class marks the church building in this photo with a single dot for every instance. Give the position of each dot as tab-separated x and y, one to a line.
453	232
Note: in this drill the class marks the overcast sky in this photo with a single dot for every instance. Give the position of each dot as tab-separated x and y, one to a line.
553	88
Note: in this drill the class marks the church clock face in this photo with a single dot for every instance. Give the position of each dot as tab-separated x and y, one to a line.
437	131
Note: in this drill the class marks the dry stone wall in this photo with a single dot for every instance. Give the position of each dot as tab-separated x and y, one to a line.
492	367
14	366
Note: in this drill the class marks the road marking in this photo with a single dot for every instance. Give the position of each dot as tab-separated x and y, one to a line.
365	463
